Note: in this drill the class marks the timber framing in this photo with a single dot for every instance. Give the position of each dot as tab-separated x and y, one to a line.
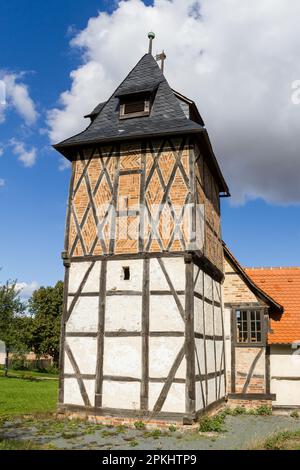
195	373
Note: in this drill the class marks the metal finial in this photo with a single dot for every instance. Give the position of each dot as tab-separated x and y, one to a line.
151	36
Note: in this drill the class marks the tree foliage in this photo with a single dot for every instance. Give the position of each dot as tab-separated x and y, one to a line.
45	307
12	317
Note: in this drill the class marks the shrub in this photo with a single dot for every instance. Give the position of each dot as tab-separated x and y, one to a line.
294	414
139	425
212	423
263	410
172	428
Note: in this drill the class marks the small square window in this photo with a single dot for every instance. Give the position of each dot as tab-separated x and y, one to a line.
126	273
137	106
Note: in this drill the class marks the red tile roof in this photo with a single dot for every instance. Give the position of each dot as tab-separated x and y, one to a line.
283	285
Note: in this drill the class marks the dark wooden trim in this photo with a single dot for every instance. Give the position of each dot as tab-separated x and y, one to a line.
142	197
121	378
130	172
244	374
189	338
123	292
200	375
224	343
291	377
204	341
208	337
126	292
83	376
144	393
163	380
62	337
209	376
207	300
69	210
126	256
78	376
80	288
286	407
252	396
176	298
81	334
251	370
167	333
114	199
124	334
268	369
233	335
166	292
121	334
207	266
78	231
165	390
209	407
214	339
100	336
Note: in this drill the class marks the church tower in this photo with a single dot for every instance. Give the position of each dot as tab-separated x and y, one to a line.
142	328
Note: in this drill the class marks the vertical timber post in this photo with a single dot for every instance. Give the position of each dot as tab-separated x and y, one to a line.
67	265
190	406
145	336
100	336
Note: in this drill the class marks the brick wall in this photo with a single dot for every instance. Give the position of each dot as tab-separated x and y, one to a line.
234	288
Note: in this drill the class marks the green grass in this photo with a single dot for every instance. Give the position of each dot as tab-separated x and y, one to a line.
285	440
19	396
28	373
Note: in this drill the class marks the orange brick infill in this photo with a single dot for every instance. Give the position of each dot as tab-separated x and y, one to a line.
249	404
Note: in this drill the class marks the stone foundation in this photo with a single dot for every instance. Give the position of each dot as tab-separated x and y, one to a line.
248	403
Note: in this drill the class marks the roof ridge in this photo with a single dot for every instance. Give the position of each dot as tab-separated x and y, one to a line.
272	268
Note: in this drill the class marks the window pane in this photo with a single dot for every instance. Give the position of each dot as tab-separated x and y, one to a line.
134	107
242	326
255	326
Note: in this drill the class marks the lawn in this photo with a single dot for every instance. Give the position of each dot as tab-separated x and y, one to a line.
20	396
28	373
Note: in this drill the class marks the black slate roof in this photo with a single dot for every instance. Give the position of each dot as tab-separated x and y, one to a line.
166	115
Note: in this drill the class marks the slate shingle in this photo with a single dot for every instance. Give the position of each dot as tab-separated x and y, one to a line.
166	115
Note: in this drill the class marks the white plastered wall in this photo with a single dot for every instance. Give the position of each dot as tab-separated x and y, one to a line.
285	363
123	313
209	351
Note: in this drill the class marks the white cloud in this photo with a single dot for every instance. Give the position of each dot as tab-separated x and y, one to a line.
26	155
2	182
237	59
64	164
17	97
27	289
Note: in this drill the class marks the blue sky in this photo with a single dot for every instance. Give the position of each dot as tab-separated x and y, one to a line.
35	47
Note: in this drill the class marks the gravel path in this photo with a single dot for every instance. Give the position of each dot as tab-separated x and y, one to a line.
242	432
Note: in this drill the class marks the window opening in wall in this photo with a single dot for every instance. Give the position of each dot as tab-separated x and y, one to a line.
248	326
126	273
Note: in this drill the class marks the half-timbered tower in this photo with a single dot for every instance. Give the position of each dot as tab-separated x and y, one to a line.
142	329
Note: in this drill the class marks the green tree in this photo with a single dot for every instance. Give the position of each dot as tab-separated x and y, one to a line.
11	311
45	306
